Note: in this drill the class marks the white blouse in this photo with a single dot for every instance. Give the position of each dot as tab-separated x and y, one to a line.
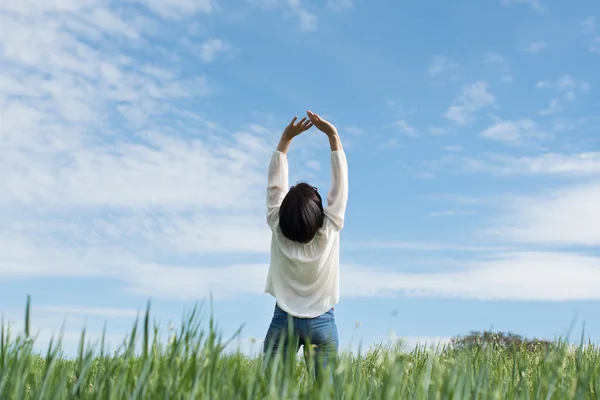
304	278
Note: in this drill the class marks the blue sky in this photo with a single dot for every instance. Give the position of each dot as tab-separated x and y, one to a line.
135	138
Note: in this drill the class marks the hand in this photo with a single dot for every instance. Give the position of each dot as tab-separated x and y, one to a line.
294	129
324	126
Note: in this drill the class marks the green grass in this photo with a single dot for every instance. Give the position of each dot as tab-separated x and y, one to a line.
194	365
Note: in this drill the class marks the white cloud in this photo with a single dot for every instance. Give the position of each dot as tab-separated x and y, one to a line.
314	165
421	246
536	47
99	170
174	282
308	21
553	108
450	213
406	128
541	276
295	8
41	6
340	4
26	257
441	64
435	130
567	84
512	275
453	148
595	46
210	48
535	5
353	130
507	79
473	98
494	58
108	22
178	8
567	216
568	87
588	25
154	171
514	132
577	164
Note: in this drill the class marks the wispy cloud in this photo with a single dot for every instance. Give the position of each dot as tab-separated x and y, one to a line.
436	130
353	130
494	58
536	47
569	87
105	161
515	132
472	98
406	128
25	259
421	246
576	164
314	165
542	276
453	148
441	64
510	275
566	83
566	216
296	9
588	25
535	5
450	213
553	108
210	48
595	46
500	63
340	5
178	8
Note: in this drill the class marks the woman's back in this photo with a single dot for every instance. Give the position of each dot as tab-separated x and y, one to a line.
304	277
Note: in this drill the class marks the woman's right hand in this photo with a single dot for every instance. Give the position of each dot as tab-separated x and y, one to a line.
322	125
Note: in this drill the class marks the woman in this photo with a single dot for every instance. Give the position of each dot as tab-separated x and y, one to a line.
304	270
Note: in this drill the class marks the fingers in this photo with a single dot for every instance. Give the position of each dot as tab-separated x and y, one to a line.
306	126
313	117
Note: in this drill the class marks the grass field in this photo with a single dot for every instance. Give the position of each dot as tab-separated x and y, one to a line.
194	365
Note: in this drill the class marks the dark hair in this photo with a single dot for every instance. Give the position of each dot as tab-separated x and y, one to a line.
301	213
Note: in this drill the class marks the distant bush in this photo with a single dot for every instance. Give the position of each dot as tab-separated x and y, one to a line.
499	341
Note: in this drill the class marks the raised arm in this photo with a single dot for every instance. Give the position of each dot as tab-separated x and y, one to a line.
337	198
277	185
277	181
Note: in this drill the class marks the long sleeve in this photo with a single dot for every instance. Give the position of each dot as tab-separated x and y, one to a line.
337	197
277	185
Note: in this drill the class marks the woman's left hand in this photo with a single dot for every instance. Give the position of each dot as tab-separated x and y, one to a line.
296	128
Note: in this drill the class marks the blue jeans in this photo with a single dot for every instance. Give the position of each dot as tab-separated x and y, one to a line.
319	333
